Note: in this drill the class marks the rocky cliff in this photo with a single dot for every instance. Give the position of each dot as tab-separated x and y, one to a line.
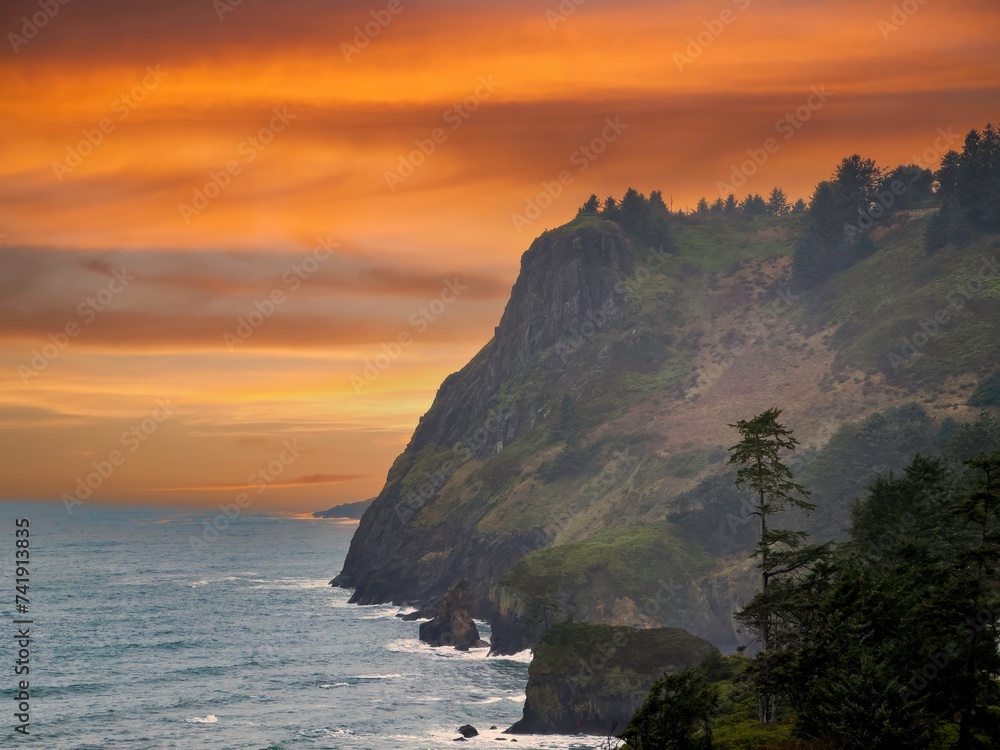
408	547
590	679
577	465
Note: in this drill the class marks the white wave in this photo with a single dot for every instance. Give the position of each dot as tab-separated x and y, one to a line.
444	736
373	613
292	583
324	732
524	657
331	685
381	676
414	646
513	697
207	581
210	719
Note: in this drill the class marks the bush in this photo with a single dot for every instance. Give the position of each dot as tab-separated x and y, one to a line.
676	715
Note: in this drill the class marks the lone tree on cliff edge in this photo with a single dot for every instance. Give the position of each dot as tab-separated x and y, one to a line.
758	455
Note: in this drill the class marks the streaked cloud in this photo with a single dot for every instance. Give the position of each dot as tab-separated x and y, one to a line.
98	158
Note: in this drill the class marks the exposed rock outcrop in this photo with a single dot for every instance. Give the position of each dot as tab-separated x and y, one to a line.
590	679
568	280
453	624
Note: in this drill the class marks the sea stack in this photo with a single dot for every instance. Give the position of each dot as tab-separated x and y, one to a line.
453	625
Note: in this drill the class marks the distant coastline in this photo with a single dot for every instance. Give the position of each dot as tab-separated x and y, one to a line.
349	510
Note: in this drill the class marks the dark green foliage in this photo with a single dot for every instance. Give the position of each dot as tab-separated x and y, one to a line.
570	461
567	422
777	202
969	183
963	441
906	188
845	209
889	640
754	205
572	458
988	391
780	551
855	455
591	207
646	219
676	715
841	213
762	469
898	647
936	234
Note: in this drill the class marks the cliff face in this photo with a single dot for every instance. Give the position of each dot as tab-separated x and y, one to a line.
402	549
577	465
590	679
644	576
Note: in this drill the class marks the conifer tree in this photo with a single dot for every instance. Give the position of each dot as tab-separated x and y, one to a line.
779	551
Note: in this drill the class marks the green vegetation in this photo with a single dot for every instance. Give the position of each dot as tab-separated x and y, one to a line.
969	190
988	392
647	219
780	551
627	562
889	640
940	315
677	714
845	209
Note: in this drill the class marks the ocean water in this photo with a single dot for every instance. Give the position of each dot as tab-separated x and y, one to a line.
143	638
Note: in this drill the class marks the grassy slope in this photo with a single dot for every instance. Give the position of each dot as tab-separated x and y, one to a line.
882	302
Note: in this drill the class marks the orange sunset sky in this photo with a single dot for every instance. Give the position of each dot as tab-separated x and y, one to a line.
125	267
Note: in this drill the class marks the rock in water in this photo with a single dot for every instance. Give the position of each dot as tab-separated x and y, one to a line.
467	730
453	624
590	679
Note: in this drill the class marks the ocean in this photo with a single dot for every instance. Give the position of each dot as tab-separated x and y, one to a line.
146	633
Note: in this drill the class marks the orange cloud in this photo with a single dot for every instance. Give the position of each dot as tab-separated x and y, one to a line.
119	116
